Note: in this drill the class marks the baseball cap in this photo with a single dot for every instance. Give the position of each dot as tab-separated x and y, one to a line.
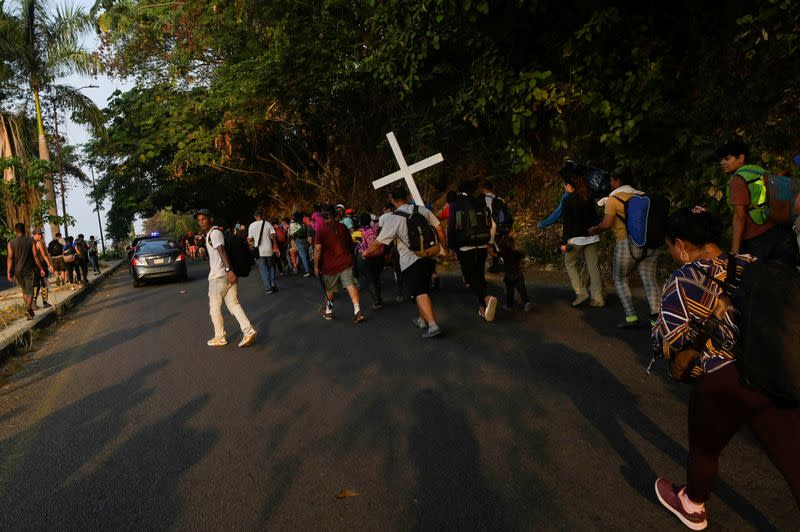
340	206
204	212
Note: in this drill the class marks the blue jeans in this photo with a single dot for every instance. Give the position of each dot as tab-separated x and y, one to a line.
302	251
266	266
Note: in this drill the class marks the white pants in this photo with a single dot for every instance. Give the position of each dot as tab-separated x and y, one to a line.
219	290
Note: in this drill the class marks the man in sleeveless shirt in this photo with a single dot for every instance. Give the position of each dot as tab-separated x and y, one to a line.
22	264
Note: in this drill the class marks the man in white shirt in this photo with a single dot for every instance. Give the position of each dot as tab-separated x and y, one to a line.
261	234
222	284
416	272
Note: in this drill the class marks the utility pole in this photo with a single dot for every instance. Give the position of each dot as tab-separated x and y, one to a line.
97	208
61	177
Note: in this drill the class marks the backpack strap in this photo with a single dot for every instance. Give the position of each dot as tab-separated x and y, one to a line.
261	233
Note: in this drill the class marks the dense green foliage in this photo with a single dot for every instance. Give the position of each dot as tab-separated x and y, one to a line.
244	102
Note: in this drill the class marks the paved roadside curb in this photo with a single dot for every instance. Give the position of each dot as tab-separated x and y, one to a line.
18	334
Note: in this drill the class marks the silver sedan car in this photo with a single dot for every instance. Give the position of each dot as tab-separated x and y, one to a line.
157	259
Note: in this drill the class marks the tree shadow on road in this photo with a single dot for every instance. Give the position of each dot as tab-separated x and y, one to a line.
452	491
611	407
98	482
40	368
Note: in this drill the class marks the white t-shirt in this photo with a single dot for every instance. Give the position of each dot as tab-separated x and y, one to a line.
383	217
214	239
395	230
265	246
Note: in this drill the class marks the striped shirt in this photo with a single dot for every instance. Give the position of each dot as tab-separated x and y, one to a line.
688	299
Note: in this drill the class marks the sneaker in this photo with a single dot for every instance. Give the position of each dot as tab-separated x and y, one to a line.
217	342
631	322
72	287
597	303
358	317
306	275
580	300
529	307
29	315
269	291
669	496
419	323
491	308
432	331
248	340
326	315
46	305
377	306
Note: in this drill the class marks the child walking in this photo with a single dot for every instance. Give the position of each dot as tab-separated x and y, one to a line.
514	279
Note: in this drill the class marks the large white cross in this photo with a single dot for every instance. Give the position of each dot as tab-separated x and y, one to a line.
406	171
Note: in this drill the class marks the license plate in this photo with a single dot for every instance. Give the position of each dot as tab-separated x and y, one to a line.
158	261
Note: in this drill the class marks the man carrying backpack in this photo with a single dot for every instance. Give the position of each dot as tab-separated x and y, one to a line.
222	284
470	230
501	216
753	233
411	222
624	260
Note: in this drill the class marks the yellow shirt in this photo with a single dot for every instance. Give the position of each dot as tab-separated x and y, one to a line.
615	207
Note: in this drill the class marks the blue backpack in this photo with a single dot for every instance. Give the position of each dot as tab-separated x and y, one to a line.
645	220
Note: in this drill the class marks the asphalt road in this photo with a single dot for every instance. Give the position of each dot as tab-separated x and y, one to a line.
124	419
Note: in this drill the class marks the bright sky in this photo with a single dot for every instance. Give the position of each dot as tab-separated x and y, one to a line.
78	204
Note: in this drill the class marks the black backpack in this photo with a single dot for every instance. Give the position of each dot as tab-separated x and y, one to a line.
501	215
422	237
473	222
768	348
239	254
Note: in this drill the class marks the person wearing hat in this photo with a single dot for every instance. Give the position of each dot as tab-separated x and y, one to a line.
581	250
343	216
222	284
21	265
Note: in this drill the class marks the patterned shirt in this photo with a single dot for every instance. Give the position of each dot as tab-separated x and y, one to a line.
689	298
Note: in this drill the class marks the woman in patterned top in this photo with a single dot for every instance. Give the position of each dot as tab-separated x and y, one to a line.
720	403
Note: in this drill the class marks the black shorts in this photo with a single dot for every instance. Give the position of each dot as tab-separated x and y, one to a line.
417	277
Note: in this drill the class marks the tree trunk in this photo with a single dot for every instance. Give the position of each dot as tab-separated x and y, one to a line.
44	154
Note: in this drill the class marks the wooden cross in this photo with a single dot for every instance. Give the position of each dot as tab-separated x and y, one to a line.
406	171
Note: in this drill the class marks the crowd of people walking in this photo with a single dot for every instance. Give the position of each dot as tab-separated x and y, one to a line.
695	324
30	264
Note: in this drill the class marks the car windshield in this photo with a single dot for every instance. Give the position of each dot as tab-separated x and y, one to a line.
156	246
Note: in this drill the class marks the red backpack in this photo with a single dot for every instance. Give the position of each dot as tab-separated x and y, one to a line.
280	234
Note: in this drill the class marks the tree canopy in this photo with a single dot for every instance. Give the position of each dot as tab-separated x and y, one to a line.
280	103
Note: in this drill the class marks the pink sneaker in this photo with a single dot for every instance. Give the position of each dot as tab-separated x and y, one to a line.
668	494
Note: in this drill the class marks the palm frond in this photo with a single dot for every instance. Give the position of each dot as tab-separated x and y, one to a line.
82	107
72	169
68	57
68	23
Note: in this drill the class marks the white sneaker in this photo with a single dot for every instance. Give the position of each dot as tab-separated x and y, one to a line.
491	308
217	342
248	340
